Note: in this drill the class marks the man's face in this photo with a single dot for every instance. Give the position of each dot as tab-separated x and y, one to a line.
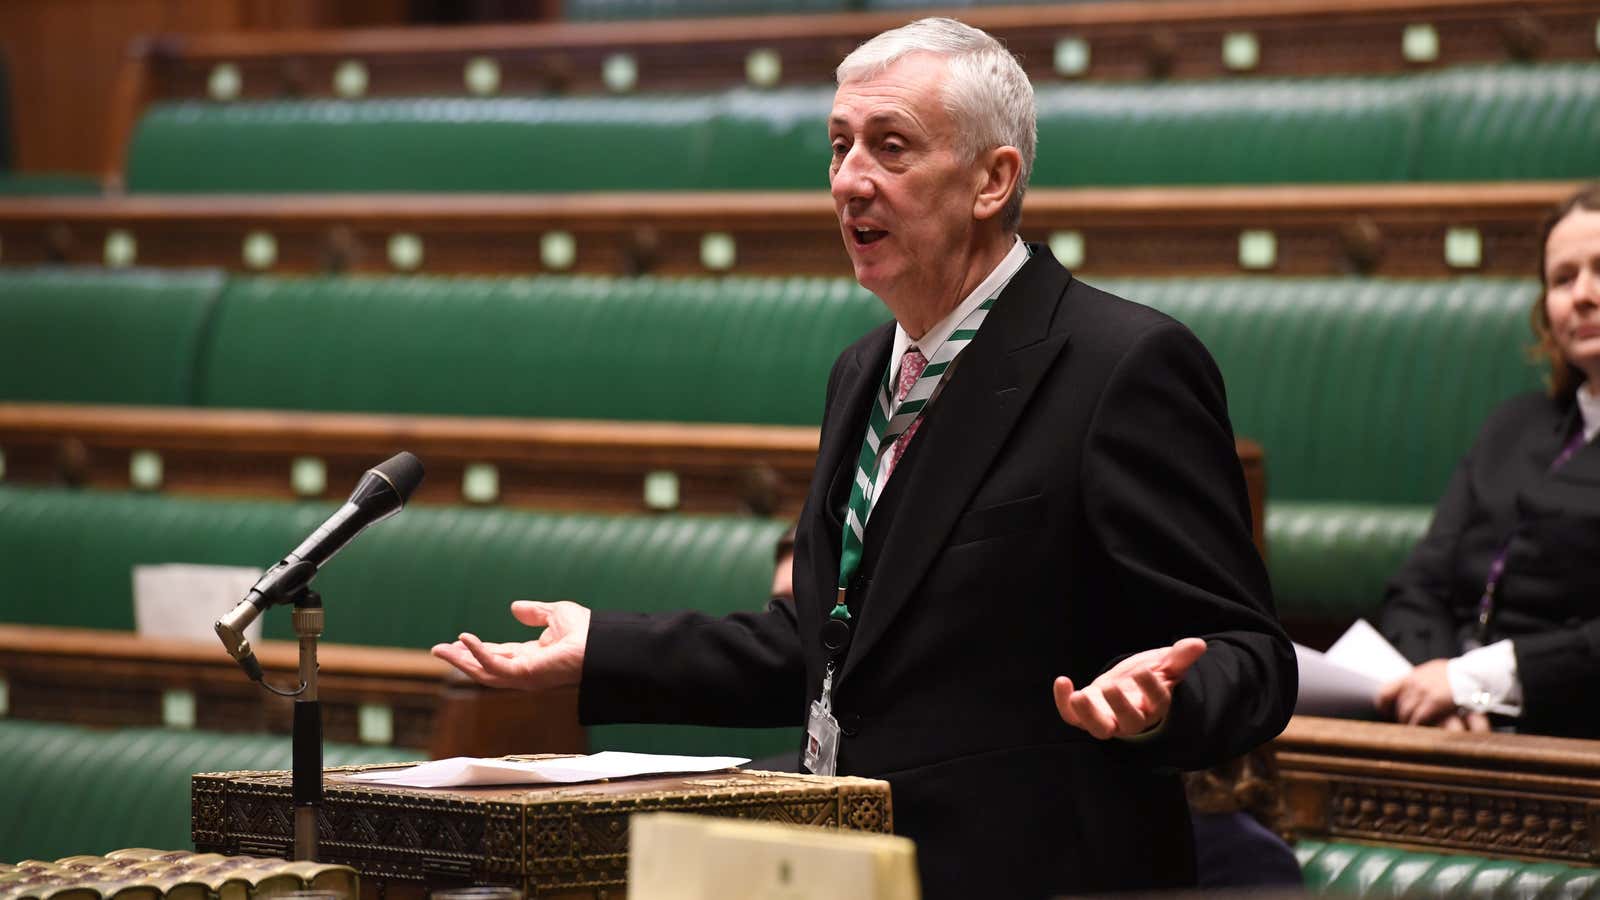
903	192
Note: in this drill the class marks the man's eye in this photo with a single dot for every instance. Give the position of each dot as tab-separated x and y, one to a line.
839	148
893	148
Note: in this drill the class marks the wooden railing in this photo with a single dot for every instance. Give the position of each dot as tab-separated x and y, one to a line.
374	694
549	464
1112	40
1385	230
1428	789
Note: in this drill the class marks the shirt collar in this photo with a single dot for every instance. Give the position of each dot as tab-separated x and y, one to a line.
1589	409
943	328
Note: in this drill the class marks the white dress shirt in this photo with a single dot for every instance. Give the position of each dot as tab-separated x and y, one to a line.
1486	679
941	330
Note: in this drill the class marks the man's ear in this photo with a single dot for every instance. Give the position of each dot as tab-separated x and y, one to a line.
1000	169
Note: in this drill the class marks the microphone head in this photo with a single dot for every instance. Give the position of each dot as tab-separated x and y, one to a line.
403	471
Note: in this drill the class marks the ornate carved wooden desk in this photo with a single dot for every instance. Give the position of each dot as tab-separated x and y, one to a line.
553	841
1514	795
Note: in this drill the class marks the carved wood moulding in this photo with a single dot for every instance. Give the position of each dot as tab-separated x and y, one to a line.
1510	795
1404	230
1463	819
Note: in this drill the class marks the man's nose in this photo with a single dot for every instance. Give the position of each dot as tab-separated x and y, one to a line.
852	179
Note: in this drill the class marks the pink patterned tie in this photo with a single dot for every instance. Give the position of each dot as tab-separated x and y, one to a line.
911	366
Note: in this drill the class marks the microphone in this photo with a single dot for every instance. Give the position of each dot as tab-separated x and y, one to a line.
380	493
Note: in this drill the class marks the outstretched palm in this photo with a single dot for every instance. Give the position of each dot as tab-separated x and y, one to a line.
1132	696
553	660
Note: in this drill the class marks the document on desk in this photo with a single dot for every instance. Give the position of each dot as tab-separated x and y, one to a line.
1344	682
466	771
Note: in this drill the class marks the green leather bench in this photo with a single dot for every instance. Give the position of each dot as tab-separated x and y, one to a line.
1364	393
85	335
690	350
1354	870
70	790
412	581
1475	123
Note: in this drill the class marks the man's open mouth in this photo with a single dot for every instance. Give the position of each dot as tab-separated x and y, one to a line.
866	236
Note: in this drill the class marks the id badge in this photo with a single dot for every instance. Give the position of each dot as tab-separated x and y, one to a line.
822	740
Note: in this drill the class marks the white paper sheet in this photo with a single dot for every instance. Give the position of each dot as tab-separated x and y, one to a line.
1362	649
182	600
466	771
1344	682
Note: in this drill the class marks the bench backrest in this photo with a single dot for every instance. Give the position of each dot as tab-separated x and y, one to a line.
1357	390
1469	124
85	335
71	790
689	350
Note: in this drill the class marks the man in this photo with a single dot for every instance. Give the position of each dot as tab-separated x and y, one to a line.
1011	498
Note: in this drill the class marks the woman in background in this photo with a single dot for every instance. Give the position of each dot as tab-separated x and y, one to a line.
1499	604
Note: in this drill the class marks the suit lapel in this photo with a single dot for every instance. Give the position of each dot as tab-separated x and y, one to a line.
977	410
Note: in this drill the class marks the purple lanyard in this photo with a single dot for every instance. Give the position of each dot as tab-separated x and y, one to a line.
1497	568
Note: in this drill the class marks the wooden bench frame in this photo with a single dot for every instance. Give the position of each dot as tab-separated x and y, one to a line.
119	679
596	466
1396	230
1521	796
1124	40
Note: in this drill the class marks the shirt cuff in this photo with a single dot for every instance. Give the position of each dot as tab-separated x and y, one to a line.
1486	680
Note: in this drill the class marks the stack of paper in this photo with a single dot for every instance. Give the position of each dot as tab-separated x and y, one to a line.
466	771
1344	682
182	600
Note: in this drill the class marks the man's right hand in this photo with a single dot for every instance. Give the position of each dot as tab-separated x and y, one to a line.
553	660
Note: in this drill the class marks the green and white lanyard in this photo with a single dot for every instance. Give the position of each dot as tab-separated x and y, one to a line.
888	421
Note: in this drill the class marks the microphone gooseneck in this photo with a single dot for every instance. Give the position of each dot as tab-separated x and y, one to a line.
382	491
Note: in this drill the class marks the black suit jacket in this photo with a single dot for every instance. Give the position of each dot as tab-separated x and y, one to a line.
1072	497
1503	495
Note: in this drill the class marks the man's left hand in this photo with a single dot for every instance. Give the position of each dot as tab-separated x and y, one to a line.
1131	697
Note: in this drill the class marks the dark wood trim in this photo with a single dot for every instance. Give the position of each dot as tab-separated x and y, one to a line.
1383	230
549	464
117	679
571	465
1520	796
130	95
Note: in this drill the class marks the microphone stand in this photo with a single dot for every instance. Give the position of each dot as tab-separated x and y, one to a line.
307	734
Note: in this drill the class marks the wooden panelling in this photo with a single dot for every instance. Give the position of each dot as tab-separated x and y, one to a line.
1520	796
1384	230
65	57
118	679
548	464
